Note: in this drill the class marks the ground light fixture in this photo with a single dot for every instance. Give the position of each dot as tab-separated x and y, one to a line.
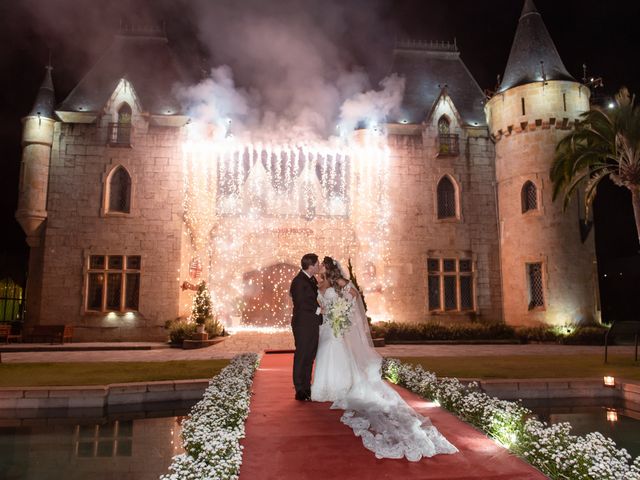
609	381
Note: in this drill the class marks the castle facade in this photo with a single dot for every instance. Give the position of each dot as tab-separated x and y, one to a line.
446	212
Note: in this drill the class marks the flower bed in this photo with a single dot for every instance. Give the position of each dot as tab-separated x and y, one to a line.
550	448
212	432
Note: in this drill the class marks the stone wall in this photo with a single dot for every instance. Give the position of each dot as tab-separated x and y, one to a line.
417	233
77	227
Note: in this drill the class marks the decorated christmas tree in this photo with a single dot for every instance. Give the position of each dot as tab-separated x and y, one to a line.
201	309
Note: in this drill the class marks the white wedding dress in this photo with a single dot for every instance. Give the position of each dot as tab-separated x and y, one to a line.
348	373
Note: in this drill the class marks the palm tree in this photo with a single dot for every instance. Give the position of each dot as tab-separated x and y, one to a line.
606	143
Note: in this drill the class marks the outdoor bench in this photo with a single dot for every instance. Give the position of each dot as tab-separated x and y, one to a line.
50	333
5	333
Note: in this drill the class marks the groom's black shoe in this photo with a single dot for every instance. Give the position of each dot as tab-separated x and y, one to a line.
302	396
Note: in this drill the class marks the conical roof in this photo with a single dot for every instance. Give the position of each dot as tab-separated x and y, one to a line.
533	56
45	99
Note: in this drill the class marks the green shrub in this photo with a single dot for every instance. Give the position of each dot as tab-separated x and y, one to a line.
180	330
214	328
435	331
539	333
593	335
393	331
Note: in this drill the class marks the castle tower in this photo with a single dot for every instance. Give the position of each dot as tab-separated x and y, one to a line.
548	268
37	138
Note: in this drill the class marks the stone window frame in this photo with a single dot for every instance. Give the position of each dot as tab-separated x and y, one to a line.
543	279
525	207
113	132
88	270
458	256
106	190
457	197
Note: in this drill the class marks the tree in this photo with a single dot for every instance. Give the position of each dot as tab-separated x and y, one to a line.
201	308
606	143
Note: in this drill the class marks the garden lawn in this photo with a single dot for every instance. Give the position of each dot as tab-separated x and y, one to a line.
103	373
530	366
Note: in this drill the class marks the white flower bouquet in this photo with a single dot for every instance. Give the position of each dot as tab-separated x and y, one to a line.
340	315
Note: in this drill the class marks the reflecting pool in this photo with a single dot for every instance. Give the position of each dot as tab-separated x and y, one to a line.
612	418
123	443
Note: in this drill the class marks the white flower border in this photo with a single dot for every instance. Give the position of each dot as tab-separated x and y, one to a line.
212	432
550	448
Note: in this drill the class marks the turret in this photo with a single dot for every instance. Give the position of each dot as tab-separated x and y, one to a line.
37	139
548	270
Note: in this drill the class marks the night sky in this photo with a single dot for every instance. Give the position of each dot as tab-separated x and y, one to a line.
602	35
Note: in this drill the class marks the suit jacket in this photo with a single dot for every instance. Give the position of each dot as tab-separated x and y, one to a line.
305	300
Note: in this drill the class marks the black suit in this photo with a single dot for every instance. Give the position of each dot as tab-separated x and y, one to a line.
305	324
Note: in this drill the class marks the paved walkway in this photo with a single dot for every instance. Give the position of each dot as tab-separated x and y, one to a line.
286	439
257	342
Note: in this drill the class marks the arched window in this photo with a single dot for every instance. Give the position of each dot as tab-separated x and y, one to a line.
446	198
119	191
529	197
121	130
447	142
444	125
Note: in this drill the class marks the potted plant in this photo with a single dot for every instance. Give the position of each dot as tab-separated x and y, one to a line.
201	309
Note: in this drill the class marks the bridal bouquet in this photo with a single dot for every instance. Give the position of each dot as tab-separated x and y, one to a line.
339	313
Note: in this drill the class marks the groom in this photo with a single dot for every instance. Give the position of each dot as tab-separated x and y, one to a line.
305	324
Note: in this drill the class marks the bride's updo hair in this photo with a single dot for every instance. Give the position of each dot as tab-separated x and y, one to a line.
332	270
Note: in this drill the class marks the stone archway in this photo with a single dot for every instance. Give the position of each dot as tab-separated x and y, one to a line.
266	300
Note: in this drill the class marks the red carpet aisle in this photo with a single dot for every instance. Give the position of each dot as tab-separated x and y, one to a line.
287	439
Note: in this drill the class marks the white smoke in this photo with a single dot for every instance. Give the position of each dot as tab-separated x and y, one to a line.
373	106
295	62
216	99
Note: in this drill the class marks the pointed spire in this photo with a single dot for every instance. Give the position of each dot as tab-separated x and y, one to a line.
533	56
45	99
529	7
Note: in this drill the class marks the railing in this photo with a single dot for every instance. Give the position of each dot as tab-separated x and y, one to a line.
448	144
120	134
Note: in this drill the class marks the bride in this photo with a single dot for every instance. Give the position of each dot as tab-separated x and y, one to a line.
348	373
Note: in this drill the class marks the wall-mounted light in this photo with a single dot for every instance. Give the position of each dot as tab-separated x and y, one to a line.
609	381
612	416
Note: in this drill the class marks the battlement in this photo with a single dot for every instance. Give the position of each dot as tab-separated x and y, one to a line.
428	46
549	105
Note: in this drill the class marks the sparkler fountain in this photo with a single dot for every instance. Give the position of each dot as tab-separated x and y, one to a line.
253	209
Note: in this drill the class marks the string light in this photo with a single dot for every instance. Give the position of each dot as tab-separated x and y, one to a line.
251	210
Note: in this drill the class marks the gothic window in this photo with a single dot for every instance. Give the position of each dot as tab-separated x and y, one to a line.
534	277
120	132
119	191
448	144
446	198
529	197
444	126
113	283
450	284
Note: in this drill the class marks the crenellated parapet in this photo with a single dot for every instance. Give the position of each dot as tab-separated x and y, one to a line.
555	104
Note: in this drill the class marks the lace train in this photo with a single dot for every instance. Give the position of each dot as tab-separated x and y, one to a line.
348	372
